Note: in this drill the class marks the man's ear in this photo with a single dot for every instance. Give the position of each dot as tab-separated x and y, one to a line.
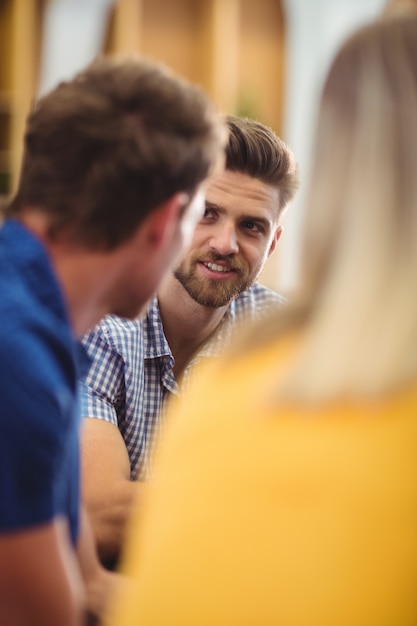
275	240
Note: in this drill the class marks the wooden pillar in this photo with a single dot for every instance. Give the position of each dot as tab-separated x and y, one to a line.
220	40
127	26
23	75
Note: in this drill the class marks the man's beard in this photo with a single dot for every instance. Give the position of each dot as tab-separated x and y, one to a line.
211	292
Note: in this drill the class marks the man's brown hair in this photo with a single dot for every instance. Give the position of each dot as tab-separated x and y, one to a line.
104	149
254	149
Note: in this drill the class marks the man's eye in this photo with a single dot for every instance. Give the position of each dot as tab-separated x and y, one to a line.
252	226
208	213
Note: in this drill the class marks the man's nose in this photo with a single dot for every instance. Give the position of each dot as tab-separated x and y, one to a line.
224	240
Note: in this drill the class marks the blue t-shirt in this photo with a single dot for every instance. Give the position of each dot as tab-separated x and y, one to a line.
39	417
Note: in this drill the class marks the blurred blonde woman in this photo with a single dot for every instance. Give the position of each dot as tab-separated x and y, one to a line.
287	485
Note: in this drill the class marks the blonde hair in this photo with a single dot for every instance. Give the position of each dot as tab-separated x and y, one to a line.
356	309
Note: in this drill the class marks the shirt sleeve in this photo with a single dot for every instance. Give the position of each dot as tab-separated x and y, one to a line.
103	390
37	390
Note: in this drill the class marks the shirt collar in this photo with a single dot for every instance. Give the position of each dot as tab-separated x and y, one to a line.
155	343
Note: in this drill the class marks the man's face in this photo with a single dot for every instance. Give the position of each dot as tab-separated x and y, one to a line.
144	266
232	241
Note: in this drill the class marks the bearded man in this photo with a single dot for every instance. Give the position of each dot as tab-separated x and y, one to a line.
139	364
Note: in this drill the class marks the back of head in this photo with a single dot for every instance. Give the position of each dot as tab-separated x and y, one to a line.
361	232
255	150
105	148
364	176
357	305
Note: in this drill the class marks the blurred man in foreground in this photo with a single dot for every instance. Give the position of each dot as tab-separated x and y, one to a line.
111	188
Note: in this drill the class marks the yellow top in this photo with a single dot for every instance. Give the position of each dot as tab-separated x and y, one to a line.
266	516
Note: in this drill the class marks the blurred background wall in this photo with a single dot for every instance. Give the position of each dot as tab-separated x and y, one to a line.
261	58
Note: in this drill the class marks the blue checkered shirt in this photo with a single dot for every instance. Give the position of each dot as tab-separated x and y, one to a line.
131	374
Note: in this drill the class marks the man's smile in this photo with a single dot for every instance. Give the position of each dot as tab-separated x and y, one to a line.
215	267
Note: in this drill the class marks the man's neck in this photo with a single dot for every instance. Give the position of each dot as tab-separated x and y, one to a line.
187	324
83	274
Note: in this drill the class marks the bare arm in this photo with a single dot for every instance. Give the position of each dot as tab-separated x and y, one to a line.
100	584
108	492
40	582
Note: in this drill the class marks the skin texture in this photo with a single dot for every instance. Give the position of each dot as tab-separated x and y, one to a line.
32	562
121	281
108	492
239	230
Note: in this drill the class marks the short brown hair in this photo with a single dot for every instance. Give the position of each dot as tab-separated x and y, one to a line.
104	149
254	149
